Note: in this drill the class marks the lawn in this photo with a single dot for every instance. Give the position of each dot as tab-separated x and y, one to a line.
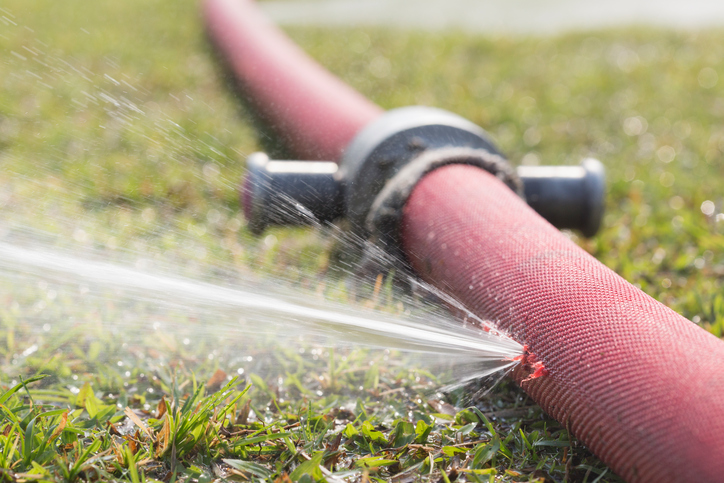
120	141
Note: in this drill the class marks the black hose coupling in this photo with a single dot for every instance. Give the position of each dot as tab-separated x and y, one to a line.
297	192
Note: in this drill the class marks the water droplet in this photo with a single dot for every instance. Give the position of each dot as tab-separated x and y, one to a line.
624	58
270	241
527	102
532	136
213	216
30	350
667	179
708	208
234	224
211	171
635	126
666	154
530	159
708	78
676	203
380	67
147	215
658	256
505	92
682	129
360	42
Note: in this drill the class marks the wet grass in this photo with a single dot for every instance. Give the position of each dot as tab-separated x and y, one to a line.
118	136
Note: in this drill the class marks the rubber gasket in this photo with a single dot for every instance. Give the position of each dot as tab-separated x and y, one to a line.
385	216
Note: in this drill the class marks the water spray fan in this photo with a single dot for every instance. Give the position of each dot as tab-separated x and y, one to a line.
639	384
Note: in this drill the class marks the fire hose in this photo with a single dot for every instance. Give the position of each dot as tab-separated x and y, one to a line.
636	382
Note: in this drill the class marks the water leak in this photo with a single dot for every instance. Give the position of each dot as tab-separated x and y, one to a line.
49	287
122	238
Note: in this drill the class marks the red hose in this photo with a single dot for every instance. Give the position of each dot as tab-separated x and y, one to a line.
313	113
640	385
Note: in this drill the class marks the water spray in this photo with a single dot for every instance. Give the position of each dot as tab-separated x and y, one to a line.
255	311
636	382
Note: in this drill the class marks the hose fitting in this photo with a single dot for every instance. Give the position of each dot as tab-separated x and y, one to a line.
392	153
385	215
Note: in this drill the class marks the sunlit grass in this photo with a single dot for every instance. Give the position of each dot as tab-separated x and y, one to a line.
118	136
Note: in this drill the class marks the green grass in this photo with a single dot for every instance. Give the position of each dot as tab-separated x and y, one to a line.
80	161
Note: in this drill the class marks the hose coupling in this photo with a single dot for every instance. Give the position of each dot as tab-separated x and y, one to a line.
392	153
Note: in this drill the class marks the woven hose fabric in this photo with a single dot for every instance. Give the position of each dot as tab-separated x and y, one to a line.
640	385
